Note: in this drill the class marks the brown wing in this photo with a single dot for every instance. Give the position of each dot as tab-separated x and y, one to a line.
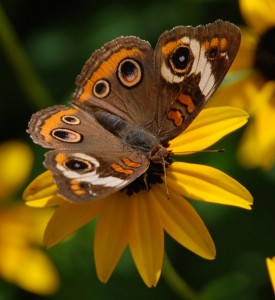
191	62
119	78
89	162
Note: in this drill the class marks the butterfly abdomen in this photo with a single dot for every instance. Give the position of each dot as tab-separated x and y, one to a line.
132	135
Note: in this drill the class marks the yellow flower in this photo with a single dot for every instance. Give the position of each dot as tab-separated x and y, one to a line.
140	220
254	91
21	261
270	262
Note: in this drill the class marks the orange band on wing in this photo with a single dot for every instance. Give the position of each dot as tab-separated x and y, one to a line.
170	47
76	188
118	168
61	158
54	122
214	43
223	43
187	100
130	163
176	117
106	69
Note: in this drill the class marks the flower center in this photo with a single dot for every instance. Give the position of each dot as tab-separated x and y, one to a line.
264	60
153	175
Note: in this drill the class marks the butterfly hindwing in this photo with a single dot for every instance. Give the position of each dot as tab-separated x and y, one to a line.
89	162
83	176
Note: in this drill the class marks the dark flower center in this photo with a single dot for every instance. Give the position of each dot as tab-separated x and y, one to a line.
264	60
154	175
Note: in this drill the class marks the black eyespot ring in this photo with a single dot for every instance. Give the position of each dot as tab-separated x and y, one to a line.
129	72
70	119
180	59
101	88
78	165
66	135
213	53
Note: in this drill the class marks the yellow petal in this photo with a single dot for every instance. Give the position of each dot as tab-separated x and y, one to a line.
208	184
14	225
258	14
258	143
16	161
21	228
112	233
68	218
241	94
20	224
249	154
28	268
183	224
146	237
42	191
270	262
210	126
245	58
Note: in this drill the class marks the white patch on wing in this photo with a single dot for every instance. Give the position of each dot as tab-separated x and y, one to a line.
200	65
90	177
166	71
94	179
91	159
203	66
168	75
186	40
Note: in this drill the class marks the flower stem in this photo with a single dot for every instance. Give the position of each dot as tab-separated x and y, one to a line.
31	86
175	282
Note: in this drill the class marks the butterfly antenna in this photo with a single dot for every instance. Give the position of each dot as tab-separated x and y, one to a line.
199	151
165	179
145	181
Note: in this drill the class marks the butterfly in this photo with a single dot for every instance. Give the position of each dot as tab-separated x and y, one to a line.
130	101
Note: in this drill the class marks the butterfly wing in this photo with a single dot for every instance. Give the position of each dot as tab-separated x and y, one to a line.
191	63
161	91
119	78
88	162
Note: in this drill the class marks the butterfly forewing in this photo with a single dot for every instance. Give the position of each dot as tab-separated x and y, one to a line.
119	78
191	62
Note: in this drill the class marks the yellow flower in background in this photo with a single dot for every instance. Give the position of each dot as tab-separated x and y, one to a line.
16	162
254	91
21	261
140	220
270	262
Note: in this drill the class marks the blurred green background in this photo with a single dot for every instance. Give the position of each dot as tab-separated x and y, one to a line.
58	37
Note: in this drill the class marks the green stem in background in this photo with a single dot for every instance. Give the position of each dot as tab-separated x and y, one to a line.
175	282
32	87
